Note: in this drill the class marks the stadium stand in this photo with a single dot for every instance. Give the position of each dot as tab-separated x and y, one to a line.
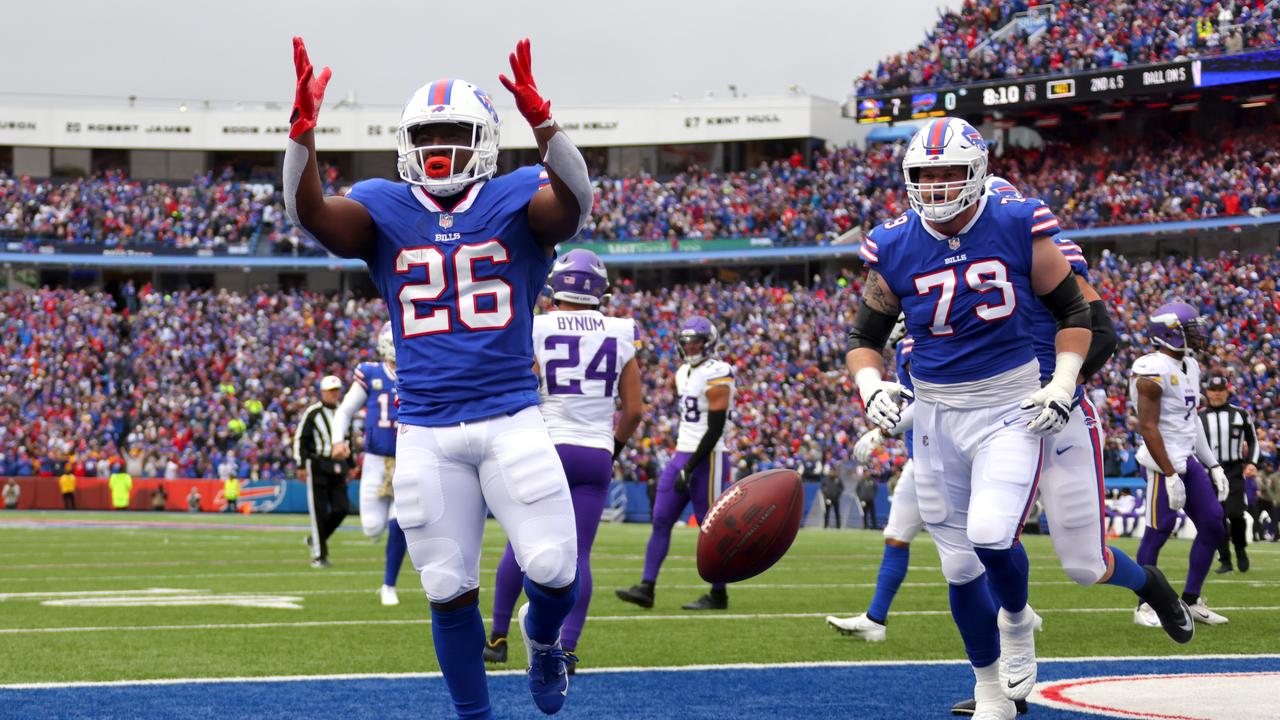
1090	184
179	379
1021	38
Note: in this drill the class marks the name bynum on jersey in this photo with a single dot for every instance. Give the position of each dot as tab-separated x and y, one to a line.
692	384
581	355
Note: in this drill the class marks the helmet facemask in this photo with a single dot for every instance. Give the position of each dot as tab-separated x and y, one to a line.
943	201
446	169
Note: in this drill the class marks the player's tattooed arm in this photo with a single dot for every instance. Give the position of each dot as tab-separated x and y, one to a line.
340	224
877	314
1149	392
877	295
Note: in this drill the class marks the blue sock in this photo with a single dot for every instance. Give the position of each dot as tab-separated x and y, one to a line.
547	611
1007	571
459	639
396	546
893	569
975	614
1126	572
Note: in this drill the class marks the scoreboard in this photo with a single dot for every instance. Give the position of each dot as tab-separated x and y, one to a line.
1022	94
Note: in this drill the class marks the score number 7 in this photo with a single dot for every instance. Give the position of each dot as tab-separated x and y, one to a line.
984	276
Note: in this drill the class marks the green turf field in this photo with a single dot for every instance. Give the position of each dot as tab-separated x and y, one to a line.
341	628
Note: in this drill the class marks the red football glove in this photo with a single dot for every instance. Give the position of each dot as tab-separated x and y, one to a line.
530	104
310	92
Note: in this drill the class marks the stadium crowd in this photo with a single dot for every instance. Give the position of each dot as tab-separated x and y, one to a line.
792	201
208	383
1066	37
112	210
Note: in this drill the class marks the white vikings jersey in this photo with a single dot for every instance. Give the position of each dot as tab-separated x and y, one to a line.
692	384
580	357
1180	393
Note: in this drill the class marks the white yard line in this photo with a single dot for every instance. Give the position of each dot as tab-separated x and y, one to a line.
594	619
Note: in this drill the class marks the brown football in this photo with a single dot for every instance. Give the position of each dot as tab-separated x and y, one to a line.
751	526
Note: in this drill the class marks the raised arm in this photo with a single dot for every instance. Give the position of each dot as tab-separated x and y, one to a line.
557	212
340	224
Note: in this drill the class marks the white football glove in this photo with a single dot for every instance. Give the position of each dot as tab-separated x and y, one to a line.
1219	481
1055	410
1177	492
867	443
883	401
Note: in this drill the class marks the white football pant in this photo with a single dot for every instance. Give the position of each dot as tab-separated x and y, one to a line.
375	511
445	476
976	472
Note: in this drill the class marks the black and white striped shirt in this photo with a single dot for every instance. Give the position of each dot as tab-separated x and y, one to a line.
1231	434
313	438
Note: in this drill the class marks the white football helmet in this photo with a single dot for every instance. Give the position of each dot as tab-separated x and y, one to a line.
455	102
945	141
386	343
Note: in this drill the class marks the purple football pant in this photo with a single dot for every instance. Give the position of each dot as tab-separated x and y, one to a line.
589	471
707	482
1202	508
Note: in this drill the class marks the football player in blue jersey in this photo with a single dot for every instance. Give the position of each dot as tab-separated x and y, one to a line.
374	389
460	255
957	265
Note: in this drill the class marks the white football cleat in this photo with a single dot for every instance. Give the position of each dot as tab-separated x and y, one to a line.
1202	614
858	626
990	702
1018	653
388	595
1145	616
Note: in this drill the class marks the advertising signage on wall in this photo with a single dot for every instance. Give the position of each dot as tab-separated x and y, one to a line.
1022	94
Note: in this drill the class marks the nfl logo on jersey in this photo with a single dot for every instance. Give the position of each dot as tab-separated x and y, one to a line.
446	221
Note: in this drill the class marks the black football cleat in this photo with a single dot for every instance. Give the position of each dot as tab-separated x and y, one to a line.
637	595
710	601
1223	569
965	707
495	649
1174	615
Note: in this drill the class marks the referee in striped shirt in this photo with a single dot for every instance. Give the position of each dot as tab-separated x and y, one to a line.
322	471
1231	434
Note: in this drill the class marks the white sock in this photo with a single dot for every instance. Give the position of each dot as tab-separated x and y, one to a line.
988	674
1020	617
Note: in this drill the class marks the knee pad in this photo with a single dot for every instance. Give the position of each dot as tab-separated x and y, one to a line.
548	551
443	571
962	568
1085	575
990	534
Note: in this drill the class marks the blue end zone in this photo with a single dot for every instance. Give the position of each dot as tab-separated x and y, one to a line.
867	692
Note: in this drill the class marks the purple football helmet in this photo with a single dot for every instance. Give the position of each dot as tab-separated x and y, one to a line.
579	277
697	339
1178	326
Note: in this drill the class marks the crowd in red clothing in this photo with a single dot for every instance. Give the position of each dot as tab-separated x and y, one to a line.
207	383
1063	37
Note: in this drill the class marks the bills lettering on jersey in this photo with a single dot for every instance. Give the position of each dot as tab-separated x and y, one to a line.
581	355
458	295
962	311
